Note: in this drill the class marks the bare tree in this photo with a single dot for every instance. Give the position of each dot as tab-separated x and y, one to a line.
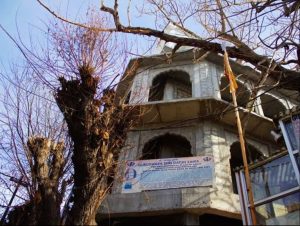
97	124
34	150
81	66
264	34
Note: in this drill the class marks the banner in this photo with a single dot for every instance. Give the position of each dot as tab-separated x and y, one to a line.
158	174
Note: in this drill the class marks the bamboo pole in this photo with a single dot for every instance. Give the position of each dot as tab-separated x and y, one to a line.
243	149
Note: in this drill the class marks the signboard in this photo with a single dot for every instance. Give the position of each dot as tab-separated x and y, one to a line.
167	173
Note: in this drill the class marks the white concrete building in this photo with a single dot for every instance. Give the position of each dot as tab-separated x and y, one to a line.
188	112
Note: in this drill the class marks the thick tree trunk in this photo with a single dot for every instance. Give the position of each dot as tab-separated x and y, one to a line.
81	111
90	184
48	166
98	129
86	203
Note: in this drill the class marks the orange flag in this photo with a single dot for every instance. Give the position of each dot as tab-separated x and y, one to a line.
229	74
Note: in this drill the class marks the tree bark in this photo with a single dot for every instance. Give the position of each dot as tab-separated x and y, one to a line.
98	129
47	170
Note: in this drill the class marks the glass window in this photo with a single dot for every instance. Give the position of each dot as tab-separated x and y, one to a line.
283	211
272	178
290	132
297	157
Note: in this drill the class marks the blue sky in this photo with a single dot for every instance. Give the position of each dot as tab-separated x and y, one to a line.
14	15
26	17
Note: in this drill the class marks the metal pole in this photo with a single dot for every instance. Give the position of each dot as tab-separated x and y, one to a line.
243	149
11	200
244	204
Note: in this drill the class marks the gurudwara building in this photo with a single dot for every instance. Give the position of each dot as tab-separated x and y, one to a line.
188	113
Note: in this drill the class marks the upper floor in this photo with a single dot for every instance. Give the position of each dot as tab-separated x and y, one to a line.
187	78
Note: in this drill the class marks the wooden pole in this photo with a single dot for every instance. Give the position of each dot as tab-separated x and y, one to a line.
243	149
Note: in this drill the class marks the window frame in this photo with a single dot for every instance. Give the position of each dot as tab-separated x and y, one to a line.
291	151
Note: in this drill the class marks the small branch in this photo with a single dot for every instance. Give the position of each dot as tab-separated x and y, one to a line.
72	22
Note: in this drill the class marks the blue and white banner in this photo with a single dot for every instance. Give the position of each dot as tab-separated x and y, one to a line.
157	174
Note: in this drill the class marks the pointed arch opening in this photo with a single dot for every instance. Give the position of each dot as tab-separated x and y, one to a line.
271	105
242	94
167	146
171	85
236	159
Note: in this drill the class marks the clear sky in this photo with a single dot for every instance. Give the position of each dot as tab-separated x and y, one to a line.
26	17
17	15
8	14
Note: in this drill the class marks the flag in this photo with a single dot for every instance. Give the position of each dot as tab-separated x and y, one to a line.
229	74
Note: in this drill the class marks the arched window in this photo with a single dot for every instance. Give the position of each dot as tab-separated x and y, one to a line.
271	105
236	159
167	146
242	94
170	85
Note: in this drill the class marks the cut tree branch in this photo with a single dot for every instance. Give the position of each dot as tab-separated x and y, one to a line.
290	78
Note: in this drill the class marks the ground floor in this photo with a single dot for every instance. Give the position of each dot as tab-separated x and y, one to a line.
174	219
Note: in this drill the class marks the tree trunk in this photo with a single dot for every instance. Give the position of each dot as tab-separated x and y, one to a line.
47	170
86	203
82	114
98	129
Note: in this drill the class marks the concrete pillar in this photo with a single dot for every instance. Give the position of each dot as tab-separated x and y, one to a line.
215	79
169	91
140	88
196	81
257	104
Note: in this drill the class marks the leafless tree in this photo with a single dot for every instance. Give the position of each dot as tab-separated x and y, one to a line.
34	150
81	66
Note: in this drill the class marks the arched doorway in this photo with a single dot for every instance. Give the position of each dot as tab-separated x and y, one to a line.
242	94
167	146
170	85
236	159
